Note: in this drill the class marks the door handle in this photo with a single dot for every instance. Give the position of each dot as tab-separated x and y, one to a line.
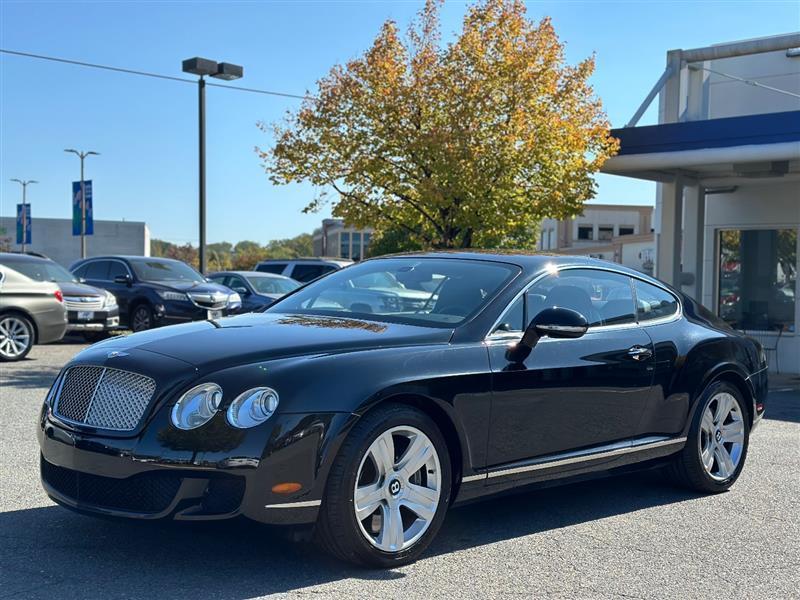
640	353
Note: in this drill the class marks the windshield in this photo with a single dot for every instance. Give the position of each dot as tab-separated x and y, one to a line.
272	285
165	270
427	291
41	270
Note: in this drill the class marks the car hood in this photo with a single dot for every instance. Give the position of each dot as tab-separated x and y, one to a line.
255	337
72	288
191	286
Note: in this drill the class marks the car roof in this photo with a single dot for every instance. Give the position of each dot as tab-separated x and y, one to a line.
309	259
528	260
18	256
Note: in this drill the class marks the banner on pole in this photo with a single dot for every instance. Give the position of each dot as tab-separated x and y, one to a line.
24	224
76	208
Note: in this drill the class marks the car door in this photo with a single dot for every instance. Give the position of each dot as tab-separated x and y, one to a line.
250	301
123	292
570	394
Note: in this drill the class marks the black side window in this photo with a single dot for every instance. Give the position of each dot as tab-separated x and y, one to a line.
271	268
97	270
514	317
306	273
653	302
80	272
603	297
115	269
235	282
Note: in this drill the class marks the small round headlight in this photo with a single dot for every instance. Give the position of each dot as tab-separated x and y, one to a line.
197	406
252	407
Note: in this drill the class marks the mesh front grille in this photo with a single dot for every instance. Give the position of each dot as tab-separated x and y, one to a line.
104	398
144	493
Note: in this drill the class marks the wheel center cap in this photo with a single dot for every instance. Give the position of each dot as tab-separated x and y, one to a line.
394	487
718	436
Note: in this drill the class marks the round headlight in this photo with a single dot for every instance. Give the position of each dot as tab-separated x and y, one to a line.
252	407
197	406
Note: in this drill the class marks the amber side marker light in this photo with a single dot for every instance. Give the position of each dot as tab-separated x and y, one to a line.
286	488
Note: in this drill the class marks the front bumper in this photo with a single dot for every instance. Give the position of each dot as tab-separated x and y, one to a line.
213	472
172	312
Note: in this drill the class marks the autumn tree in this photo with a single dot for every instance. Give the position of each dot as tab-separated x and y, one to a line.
469	143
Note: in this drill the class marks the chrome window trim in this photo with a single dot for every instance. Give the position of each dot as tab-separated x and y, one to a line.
578	456
511	335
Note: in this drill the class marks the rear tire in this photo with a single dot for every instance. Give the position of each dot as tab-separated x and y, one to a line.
400	493
16	337
716	447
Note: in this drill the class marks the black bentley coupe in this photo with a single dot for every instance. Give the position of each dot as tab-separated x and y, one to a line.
368	421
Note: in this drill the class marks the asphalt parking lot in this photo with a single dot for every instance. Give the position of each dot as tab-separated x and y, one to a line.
629	537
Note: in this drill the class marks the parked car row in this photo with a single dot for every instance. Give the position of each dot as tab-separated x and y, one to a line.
40	300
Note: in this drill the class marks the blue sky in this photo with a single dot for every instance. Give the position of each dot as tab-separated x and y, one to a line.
146	129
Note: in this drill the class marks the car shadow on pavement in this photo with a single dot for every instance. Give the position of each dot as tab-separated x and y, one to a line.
783	405
27	375
50	551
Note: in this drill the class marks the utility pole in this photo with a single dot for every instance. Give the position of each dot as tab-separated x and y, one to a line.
24	184
203	67
82	156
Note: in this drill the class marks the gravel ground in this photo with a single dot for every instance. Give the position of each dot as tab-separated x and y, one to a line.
628	537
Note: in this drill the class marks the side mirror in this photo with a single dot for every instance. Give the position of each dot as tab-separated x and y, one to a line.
242	291
81	279
123	279
555	322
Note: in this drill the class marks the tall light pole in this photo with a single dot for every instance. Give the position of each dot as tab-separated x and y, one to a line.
82	156
24	183
228	72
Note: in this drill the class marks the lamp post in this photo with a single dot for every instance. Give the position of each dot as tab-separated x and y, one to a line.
24	183
82	156
228	72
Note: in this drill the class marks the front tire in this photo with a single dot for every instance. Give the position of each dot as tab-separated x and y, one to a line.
388	489
716	446
142	318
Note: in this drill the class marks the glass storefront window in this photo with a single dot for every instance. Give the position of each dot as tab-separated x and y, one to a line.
344	251
757	275
356	246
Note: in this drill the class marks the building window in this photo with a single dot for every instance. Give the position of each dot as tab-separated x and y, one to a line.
624	230
585	232
367	240
356	246
344	245
757	274
605	233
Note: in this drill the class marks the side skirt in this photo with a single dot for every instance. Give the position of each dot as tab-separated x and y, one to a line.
568	464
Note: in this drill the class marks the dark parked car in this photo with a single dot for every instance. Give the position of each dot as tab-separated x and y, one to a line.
521	370
91	311
303	269
257	290
157	291
31	312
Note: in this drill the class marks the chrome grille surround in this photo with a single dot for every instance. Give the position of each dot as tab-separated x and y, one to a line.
84	302
102	397
209	300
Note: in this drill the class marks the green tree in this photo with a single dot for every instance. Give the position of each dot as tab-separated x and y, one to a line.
466	144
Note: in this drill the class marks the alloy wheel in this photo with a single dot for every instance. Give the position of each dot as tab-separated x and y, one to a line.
141	319
721	436
15	337
397	489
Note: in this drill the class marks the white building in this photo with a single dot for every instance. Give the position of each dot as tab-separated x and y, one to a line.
615	232
53	237
726	156
336	240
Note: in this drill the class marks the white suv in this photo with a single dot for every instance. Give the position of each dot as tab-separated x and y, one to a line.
303	269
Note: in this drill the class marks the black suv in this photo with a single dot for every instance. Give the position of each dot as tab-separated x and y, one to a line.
157	291
91	311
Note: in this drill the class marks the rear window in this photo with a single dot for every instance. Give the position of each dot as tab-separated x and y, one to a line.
276	268
306	273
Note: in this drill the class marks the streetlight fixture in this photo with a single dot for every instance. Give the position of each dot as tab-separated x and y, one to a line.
228	72
24	183
82	156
